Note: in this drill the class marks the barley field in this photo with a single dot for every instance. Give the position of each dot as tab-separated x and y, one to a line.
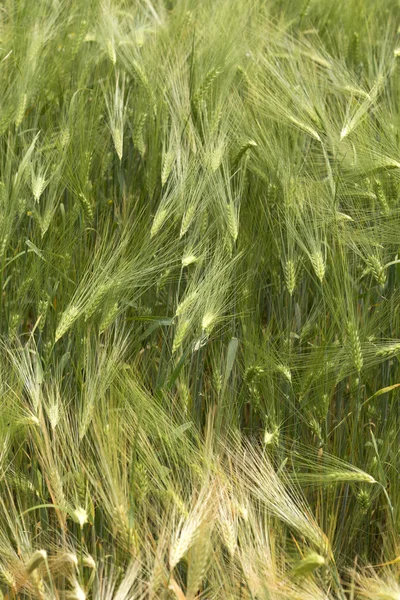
199	303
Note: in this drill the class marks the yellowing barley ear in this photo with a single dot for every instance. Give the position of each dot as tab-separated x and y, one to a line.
7	577
198	557
36	560
77	592
90	563
176	589
228	530
377	588
80	516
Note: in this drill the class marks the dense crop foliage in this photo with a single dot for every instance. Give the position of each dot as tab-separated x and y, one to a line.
199	303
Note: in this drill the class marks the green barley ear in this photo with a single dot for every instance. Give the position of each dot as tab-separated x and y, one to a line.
186	303
67	319
271	438
21	108
108	317
111	52
13	325
42	311
389	350
216	156
354	346
189	259
187	219
87	207
244	81
167	164
290	276
380	194
3	194
249	145
364	500
180	333
208	321
117	113
6	118
315	428
79	36
96	299
305	10
204	89
137	134
38	182
232	221
318	263
65	136
354	49
348	476
377	269
252	373
285	371
308	564
158	221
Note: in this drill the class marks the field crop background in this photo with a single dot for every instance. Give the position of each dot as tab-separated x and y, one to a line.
199	299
